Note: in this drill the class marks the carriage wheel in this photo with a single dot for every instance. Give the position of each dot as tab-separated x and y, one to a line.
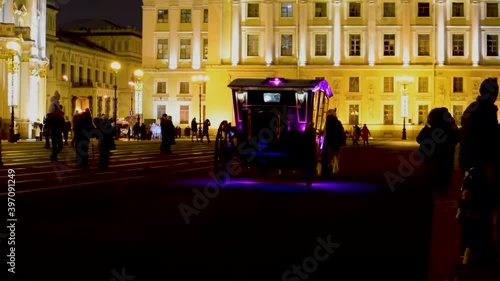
223	147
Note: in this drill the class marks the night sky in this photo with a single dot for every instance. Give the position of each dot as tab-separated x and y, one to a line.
121	12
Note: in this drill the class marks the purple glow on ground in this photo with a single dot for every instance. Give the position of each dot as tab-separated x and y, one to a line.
299	186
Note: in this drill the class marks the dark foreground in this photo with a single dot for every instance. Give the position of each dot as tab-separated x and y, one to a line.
255	228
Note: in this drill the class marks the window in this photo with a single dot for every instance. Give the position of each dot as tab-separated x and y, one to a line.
112	78
389	43
423	44
286	44
492	10
253	45
161	87
185	49
253	10
458	44
458	111
423	9
205	48
184	87
286	10
457	9
354	114
355	45
354	84
97	75
423	112
184	114
72	73
320	11
492	45
354	9
389	10
388	114
458	84
185	15
205	15
103	77
388	84
162	16
63	69
88	75
423	84
160	110
162	49
320	44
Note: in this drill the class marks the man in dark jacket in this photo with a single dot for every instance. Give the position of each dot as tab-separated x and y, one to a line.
83	127
479	161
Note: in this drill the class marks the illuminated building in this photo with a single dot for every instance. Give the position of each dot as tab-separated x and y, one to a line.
80	58
22	64
359	47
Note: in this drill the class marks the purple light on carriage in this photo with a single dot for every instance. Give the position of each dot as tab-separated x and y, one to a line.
276	81
323	86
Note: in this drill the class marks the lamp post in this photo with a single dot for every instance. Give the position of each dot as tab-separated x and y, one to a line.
138	94
404	81
131	83
201	80
13	49
115	66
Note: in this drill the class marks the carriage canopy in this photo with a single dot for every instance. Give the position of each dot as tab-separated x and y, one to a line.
302	101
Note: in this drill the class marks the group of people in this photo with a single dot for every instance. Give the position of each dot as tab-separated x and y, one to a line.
57	126
358	132
204	130
479	162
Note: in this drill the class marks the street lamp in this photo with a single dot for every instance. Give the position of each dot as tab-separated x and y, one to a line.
404	81
13	49
115	66
138	94
201	80
131	83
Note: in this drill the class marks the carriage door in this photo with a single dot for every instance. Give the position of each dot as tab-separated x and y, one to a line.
267	125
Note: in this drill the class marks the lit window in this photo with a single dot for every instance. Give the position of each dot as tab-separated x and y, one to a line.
320	11
160	110
253	45
423	44
458	84
205	16
161	87
458	44
286	44
389	44
388	84
355	44
185	52
423	84
457	9
162	16
423	112
458	111
184	87
492	45
320	45
354	84
388	114
162	49
286	10
354	114
354	9
185	15
184	114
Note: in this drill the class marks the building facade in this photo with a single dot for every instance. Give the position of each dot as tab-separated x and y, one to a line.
80	57
23	64
387	61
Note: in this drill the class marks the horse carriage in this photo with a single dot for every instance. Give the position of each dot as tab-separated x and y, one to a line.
278	125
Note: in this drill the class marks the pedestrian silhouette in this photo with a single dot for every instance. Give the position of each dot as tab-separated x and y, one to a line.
365	135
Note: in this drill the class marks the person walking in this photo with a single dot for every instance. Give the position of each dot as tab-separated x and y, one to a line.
55	120
83	126
106	141
333	142
194	129
46	133
356	133
206	125
365	135
167	134
479	162
66	129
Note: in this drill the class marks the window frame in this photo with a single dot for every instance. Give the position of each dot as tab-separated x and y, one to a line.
186	16
183	54
164	17
286	11
255	10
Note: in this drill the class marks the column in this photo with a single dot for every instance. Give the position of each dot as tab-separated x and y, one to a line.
406	31
149	26
173	40
475	31
302	32
441	31
196	64
42	28
33	22
8	11
371	39
269	12
215	31
24	93
235	43
42	90
336	33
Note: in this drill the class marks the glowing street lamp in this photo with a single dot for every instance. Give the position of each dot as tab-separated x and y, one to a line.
13	49
115	66
404	81
201	80
138	94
